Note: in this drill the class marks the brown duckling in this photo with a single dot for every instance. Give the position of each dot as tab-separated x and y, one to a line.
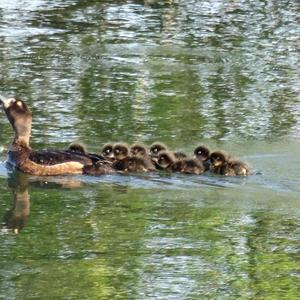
101	167
41	162
107	152
134	164
156	147
137	149
179	155
120	151
167	161
223	164
77	148
203	154
81	149
127	163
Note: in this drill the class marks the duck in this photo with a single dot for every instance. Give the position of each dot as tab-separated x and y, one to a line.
77	148
40	162
223	164
179	155
154	150
202	153
130	163
167	161
81	149
156	147
138	149
107	151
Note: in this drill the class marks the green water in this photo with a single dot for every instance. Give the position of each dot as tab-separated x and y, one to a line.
225	73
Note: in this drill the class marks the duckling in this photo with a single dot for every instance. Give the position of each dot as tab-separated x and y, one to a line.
99	168
120	151
40	162
107	152
137	149
189	166
81	149
223	164
77	148
202	153
179	155
134	164
156	147
167	161
127	163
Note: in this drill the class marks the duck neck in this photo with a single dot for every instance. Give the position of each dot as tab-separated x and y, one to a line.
21	140
22	135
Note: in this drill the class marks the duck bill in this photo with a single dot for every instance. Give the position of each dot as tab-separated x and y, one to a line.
5	101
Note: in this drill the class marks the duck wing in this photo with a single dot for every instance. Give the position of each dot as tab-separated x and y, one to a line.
53	157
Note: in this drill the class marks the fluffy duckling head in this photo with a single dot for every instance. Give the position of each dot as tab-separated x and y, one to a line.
77	148
107	151
156	147
218	158
192	166
138	164
120	151
137	149
165	159
202	153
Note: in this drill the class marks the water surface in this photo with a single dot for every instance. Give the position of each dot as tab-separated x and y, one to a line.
224	73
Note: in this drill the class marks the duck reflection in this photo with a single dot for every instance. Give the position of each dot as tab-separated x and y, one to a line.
15	218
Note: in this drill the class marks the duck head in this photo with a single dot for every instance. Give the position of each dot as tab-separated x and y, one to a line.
156	147
165	159
19	116
77	148
202	153
121	151
192	166
107	151
179	155
218	158
137	149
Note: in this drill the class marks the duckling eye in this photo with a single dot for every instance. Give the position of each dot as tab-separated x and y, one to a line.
19	103
199	152
107	151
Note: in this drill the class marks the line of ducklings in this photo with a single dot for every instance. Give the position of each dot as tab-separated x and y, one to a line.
136	158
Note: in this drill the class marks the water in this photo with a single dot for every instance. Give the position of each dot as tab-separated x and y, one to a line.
220	72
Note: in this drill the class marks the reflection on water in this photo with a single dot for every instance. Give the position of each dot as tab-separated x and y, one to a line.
211	69
135	241
15	218
220	72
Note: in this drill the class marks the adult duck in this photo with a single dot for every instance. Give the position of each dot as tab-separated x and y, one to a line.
43	162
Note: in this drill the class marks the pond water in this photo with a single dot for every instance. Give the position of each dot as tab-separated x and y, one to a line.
224	73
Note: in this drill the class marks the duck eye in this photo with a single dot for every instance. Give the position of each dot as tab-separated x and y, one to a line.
19	103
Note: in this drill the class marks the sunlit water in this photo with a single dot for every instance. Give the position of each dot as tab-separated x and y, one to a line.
225	73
